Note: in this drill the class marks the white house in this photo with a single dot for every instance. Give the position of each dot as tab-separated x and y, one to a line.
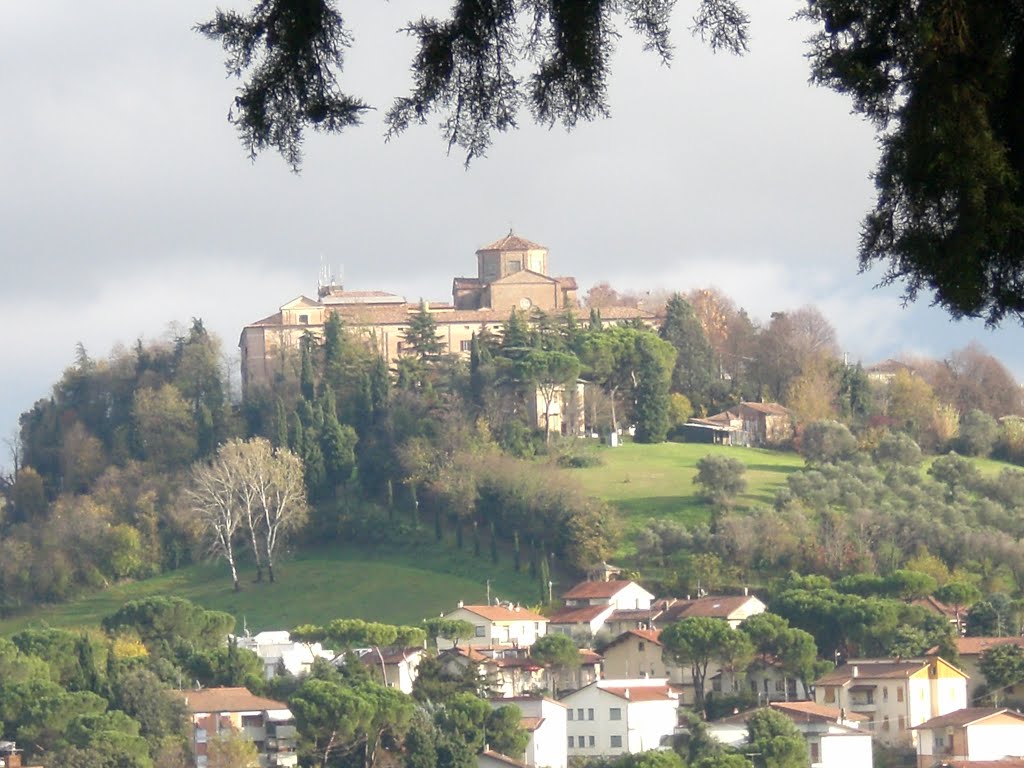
590	605
970	651
545	720
834	738
506	671
497	625
621	595
613	717
896	694
970	735
397	665
276	650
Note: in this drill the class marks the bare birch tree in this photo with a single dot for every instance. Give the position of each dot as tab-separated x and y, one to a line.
213	497
281	496
250	485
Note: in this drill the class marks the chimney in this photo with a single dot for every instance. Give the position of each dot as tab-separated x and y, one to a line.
460	604
627	694
746	592
855	670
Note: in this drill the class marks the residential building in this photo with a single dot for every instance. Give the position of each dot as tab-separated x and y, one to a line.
616	716
749	424
545	720
267	723
590	668
591	605
506	624
896	694
731	608
277	651
504	670
397	665
970	735
834	737
970	650
638	653
512	273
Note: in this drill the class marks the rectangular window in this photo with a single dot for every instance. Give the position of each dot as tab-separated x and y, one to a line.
885	723
885	693
640	645
200	735
570	742
252	721
465	346
615	713
304	319
899	693
569	714
814	752
780	686
590	714
616	742
514	265
579	713
592	740
902	723
480	631
830	694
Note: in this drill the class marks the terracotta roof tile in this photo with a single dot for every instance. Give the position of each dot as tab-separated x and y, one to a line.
511	242
975	646
650	635
596	589
227	700
772	409
814	711
642	692
962	717
531	724
712	607
586	613
872	670
503	613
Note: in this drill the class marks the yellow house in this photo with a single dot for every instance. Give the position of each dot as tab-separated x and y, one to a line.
896	694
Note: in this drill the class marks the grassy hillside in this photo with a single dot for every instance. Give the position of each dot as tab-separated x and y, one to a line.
646	482
314	587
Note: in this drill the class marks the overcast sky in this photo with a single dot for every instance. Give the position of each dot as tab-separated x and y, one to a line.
127	202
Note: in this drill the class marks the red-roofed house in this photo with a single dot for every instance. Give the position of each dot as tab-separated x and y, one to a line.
267	723
615	716
498	625
590	605
970	735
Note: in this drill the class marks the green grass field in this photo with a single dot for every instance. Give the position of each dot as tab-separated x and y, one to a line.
314	587
645	482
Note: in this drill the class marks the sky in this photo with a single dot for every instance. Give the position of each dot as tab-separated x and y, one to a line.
128	204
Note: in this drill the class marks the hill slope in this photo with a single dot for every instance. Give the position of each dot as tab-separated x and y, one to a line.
314	587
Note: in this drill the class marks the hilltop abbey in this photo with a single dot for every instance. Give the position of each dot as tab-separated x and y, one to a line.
512	273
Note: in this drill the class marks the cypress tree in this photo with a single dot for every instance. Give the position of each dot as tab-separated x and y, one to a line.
307	382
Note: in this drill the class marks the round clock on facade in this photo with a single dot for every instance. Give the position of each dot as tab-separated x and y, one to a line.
525	303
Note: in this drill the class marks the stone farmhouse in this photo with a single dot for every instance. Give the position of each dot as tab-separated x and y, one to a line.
512	273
